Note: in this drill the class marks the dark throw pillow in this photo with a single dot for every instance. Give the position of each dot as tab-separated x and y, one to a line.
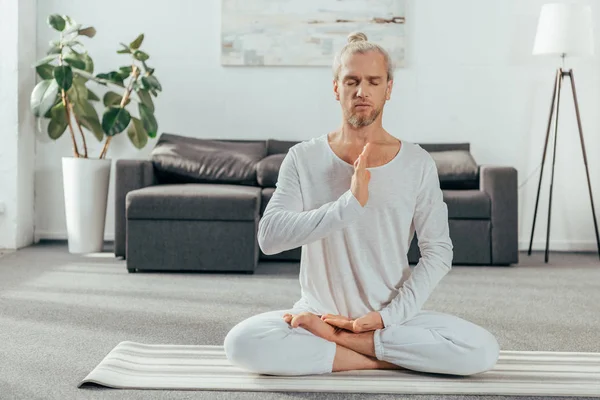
267	170
457	169
183	159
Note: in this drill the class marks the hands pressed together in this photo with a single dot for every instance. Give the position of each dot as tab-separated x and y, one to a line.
328	326
369	322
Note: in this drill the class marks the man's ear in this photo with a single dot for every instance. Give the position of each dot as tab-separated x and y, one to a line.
388	90
336	90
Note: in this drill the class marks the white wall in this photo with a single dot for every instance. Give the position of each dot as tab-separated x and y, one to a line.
17	150
469	76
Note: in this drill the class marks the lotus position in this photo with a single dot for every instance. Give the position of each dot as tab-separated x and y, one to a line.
353	200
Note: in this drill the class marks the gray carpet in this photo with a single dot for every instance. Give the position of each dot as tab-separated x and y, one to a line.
60	314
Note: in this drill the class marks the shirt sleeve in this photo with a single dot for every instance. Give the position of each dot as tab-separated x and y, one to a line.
285	224
431	225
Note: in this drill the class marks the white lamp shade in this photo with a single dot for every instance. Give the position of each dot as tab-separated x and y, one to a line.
565	29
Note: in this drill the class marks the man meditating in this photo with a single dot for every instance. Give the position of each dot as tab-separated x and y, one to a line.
353	200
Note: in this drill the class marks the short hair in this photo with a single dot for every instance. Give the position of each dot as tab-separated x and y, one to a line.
358	43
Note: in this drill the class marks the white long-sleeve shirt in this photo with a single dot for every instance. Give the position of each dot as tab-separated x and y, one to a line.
354	259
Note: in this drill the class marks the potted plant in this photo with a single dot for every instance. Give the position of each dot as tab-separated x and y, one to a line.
63	102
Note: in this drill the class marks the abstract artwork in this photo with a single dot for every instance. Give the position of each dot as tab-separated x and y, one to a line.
306	32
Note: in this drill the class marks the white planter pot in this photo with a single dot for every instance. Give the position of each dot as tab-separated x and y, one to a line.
85	184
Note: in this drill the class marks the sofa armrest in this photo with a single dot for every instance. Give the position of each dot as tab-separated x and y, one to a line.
501	184
129	175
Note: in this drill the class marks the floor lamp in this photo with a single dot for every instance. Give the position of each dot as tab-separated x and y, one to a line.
563	30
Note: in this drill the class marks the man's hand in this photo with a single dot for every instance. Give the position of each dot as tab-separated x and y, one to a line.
360	180
369	322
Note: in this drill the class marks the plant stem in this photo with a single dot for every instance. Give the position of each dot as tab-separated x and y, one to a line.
105	148
136	74
67	105
81	131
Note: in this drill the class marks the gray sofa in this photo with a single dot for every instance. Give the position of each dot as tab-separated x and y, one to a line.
195	205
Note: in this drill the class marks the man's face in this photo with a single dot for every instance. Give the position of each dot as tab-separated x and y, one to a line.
362	88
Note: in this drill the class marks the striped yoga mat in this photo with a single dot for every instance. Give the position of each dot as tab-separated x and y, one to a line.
529	373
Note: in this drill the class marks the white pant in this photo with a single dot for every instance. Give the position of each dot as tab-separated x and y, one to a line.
430	342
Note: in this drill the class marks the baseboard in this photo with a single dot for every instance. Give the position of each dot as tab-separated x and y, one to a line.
46	235
560	245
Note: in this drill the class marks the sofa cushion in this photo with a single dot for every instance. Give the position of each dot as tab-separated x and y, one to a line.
275	146
267	170
468	204
266	195
457	169
182	159
193	201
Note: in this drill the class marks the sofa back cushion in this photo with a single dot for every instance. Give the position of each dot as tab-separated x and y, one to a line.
267	170
457	169
275	146
183	159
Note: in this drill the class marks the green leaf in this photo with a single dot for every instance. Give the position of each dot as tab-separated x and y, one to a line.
137	134
58	121
72	28
146	99
151	83
88	117
113	77
148	120
54	50
90	32
71	43
89	63
140	55
45	71
74	61
78	93
55	129
115	120
49	112
124	50
87	76
70	21
113	99
57	22
64	76
46	60
43	97
92	96
137	42
74	53
126	70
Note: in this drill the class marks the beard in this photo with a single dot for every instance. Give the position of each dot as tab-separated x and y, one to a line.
359	121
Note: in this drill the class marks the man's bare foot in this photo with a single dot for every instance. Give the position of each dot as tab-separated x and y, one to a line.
312	323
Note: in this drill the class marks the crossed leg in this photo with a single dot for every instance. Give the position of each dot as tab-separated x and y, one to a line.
429	342
354	351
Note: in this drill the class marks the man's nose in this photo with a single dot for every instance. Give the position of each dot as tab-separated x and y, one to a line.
361	90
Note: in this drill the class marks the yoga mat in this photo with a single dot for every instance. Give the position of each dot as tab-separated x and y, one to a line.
133	365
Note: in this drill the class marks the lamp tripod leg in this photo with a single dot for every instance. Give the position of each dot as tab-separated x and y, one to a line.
537	200
587	172
546	256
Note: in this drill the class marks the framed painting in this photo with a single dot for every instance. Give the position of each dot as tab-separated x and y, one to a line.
306	32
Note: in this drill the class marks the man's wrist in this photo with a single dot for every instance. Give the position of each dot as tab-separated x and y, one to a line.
379	320
370	322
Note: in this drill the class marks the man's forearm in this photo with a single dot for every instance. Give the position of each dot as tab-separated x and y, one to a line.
280	230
